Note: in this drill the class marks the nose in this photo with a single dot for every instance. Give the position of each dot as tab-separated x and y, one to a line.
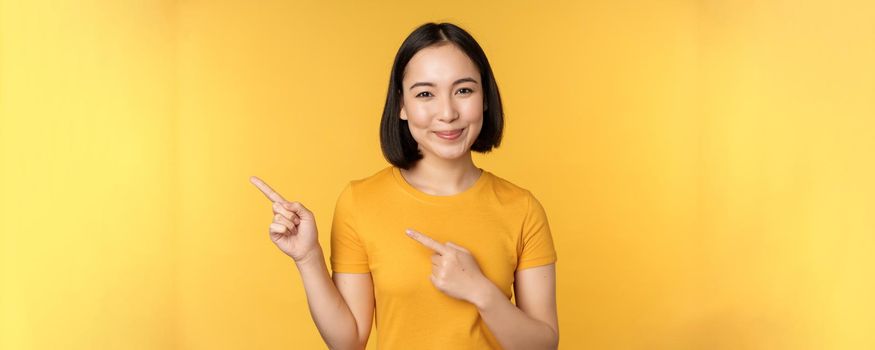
447	112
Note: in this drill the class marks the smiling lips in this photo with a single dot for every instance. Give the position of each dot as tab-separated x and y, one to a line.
449	135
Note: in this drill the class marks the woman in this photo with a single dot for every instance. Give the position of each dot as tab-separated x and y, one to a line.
432	241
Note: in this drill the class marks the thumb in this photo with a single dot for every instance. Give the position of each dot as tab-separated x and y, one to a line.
299	209
451	244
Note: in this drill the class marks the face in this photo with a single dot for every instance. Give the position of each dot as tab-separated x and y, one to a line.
442	101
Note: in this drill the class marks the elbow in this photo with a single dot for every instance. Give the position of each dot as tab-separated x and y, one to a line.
361	344
350	344
357	346
553	343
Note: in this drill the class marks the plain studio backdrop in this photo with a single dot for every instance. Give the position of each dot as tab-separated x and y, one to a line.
706	166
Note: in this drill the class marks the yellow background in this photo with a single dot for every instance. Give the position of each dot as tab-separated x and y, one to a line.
707	166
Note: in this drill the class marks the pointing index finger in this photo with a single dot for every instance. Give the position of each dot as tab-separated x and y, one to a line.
427	241
269	192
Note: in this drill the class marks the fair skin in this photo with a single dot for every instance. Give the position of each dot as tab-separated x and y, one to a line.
441	92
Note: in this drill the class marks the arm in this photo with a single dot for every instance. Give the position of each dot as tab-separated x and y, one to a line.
342	309
534	325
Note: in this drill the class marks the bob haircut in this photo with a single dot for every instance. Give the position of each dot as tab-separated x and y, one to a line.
397	143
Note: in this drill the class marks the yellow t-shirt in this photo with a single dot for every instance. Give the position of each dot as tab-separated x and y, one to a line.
502	224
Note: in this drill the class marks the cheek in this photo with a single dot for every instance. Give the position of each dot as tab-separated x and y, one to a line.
473	112
472	107
417	116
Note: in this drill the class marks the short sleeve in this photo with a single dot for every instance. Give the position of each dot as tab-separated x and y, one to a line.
536	241
348	254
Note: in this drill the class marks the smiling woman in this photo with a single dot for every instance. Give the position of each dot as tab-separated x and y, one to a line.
440	71
434	283
442	107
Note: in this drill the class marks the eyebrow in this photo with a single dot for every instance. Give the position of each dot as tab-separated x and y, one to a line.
463	80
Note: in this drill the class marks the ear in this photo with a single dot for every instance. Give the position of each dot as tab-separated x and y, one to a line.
485	105
403	113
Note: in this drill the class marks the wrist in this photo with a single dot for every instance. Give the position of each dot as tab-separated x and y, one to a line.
312	256
486	296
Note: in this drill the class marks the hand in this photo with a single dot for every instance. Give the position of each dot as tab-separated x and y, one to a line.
454	270
294	227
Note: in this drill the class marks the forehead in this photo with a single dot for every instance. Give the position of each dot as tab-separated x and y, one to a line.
440	64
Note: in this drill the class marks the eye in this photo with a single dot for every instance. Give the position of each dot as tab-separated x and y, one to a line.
421	94
469	91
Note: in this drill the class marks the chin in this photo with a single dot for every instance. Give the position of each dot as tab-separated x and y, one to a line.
452	155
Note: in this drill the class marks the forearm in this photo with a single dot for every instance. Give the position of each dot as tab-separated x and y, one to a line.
332	316
511	326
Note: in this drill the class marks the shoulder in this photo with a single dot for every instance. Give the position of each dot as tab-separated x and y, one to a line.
508	192
521	203
362	190
370	185
377	180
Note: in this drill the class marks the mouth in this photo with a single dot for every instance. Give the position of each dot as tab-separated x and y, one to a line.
449	134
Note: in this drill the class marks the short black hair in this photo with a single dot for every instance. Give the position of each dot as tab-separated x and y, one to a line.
397	143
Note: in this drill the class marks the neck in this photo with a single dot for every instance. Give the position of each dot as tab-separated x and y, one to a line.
438	176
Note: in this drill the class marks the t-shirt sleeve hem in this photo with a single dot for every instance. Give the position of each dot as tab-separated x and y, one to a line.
350	268
536	262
